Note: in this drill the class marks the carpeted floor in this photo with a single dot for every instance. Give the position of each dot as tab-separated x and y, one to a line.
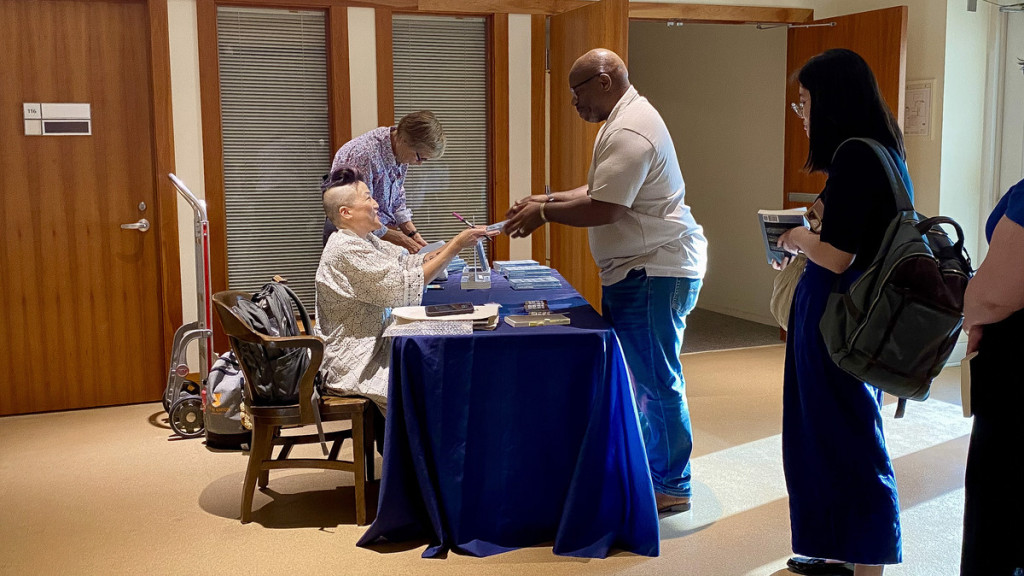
706	330
109	492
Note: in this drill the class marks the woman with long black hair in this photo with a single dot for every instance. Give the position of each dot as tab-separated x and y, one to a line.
844	509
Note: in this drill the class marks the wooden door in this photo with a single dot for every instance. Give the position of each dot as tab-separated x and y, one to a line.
603	24
82	321
880	37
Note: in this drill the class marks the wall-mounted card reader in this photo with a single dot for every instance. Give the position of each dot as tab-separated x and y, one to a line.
57	119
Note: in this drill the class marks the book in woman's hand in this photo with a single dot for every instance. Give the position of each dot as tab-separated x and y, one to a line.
775	223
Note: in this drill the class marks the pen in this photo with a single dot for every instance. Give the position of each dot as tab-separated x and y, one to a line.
466	222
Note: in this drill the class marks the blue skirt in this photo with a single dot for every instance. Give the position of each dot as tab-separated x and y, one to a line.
842	491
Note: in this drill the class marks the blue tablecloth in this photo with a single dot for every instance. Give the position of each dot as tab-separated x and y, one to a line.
515	437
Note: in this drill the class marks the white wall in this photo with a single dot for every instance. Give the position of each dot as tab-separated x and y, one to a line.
362	69
963	117
519	107
722	92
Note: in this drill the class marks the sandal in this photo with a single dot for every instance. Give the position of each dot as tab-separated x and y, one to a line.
819	567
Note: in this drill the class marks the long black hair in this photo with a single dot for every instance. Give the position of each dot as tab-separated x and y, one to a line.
845	103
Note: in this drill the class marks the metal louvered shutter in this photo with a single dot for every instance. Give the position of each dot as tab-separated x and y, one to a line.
276	141
440	64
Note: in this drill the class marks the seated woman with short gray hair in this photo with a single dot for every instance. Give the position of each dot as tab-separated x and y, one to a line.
360	278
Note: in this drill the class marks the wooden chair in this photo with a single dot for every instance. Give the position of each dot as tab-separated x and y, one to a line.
267	421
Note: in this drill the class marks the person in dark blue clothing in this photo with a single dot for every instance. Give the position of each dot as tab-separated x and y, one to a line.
994	318
844	509
994	321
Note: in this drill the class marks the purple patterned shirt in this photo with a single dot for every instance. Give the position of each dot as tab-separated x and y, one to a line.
371	154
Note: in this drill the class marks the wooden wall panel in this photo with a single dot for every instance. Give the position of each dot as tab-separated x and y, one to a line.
538	126
603	24
499	135
340	107
385	69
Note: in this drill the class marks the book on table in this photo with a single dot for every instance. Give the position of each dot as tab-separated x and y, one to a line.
775	223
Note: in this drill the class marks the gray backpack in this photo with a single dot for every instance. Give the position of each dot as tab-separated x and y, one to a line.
898	323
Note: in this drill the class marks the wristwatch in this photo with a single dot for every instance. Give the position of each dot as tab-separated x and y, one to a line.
411	233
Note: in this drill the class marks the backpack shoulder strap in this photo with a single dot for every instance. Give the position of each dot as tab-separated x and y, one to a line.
892	172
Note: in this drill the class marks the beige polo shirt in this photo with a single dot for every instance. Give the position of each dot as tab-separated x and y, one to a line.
635	166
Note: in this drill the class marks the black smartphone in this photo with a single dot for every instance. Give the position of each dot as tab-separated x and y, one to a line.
449	309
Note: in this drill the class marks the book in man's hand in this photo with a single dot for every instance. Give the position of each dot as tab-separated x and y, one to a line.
775	223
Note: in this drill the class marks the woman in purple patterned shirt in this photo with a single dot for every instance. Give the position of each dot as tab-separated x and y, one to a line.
383	156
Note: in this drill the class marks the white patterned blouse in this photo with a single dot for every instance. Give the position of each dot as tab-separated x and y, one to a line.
358	281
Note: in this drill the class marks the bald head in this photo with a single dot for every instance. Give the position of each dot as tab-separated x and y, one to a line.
600	61
598	79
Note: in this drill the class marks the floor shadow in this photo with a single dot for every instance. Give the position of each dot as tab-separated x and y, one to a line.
397	547
309	500
707	331
159	420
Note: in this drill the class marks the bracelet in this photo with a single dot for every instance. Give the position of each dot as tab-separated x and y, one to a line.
542	216
411	233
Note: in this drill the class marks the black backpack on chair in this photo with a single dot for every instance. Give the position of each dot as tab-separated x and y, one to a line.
898	323
276	370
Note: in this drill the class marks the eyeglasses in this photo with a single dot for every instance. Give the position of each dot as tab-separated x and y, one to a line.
419	159
798	108
573	89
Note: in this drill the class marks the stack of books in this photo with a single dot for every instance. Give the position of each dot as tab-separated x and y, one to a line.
535	283
456	265
528	275
526	271
500	265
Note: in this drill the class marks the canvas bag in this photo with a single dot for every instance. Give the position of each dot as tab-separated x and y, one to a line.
898	323
785	282
225	411
783	289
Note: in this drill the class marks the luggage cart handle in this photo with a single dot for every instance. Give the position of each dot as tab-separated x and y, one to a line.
197	205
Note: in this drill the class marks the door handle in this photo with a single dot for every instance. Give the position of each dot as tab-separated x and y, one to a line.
142	225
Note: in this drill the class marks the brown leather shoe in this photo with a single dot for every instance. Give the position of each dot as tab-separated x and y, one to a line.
668	503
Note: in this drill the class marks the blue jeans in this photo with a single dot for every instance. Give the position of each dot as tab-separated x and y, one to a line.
649	316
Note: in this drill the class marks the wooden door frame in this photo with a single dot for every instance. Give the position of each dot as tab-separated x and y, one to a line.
163	164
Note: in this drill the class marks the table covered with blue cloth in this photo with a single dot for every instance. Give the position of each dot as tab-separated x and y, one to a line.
515	437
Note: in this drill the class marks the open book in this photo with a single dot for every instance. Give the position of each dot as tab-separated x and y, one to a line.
773	224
